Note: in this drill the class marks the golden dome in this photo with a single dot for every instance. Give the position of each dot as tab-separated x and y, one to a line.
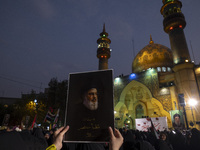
152	56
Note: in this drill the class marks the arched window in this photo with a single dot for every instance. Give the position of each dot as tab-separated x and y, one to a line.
164	69
168	69
158	69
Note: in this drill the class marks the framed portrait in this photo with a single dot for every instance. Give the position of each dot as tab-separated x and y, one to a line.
177	119
89	106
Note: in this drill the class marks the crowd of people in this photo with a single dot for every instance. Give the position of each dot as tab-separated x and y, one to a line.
167	140
122	139
38	139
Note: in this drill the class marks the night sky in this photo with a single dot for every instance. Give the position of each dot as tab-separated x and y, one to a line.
43	39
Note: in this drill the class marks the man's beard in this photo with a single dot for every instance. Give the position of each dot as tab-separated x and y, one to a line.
177	123
91	105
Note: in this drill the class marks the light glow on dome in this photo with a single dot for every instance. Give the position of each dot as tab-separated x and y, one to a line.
117	80
132	76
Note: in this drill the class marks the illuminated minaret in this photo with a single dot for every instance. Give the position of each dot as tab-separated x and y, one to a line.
103	51
174	23
185	81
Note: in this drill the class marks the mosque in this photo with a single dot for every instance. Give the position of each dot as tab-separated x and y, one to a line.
164	81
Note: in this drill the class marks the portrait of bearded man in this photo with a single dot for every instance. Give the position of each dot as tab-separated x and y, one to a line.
90	99
177	124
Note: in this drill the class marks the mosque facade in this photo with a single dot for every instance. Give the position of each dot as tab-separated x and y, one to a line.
163	80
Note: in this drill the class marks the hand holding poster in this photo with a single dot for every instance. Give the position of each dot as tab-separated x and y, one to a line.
89	110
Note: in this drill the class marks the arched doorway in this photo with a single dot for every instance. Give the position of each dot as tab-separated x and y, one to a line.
138	101
139	111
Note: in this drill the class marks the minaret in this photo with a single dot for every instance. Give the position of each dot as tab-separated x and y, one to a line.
103	51
174	23
185	81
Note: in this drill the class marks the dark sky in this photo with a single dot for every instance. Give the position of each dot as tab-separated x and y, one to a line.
42	39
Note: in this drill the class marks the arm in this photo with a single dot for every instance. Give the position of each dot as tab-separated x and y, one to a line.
116	139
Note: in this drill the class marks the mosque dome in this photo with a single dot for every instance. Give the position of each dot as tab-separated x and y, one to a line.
153	56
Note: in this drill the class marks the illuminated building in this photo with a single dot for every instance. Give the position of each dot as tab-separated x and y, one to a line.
159	76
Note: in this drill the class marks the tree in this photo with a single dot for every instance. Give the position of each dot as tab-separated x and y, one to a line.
35	104
57	95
